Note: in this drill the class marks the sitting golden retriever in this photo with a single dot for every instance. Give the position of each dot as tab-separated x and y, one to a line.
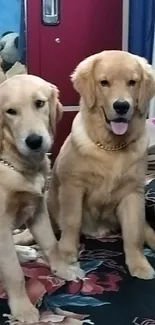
97	184
29	108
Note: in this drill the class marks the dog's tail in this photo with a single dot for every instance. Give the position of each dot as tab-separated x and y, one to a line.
149	236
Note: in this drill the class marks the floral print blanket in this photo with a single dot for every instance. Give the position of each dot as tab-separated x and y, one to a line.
107	295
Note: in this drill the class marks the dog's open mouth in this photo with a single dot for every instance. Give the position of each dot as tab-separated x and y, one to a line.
119	126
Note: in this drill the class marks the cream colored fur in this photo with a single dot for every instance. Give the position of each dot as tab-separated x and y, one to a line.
97	191
22	198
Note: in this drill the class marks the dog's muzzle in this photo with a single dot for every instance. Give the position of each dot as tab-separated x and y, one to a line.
121	107
34	141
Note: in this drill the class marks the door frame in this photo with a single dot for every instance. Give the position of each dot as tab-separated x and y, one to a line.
125	25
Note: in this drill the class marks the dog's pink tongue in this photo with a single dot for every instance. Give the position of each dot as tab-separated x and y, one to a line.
119	128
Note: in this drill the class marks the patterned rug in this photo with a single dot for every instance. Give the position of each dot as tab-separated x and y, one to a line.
107	296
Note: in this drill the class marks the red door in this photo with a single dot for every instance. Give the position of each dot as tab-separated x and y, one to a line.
55	46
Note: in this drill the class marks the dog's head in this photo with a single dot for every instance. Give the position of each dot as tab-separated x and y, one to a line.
29	109
117	84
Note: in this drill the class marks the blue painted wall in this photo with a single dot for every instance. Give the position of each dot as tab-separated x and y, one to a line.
9	15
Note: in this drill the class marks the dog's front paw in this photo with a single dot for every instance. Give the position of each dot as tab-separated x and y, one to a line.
142	270
74	272
63	270
24	311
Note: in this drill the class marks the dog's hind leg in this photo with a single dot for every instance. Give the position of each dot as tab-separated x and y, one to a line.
24	238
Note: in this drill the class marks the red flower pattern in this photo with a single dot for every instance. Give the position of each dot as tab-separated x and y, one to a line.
39	281
92	285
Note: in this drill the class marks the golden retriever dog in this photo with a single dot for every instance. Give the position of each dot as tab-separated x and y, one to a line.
29	109
97	183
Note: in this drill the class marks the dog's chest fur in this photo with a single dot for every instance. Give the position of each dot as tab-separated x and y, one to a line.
23	203
110	180
26	206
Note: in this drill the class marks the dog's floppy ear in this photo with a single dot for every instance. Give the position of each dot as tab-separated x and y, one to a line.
147	85
83	80
56	108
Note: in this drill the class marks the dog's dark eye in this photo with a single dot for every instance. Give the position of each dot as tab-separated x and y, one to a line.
11	111
104	83
39	103
132	82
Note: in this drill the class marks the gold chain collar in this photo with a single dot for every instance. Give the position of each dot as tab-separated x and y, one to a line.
7	163
114	148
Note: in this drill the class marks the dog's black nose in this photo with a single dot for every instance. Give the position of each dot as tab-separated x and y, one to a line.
121	107
34	141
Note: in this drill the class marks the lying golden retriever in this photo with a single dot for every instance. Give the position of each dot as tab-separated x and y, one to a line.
29	108
97	184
